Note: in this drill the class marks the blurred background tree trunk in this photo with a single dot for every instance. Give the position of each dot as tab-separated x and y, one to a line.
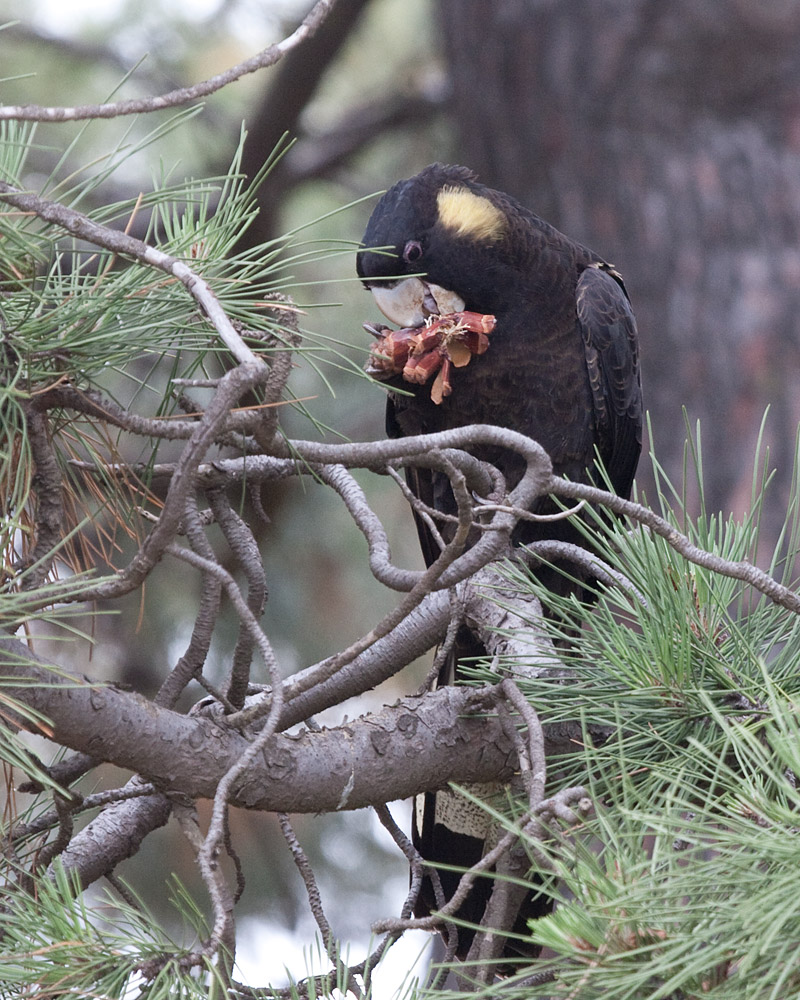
664	136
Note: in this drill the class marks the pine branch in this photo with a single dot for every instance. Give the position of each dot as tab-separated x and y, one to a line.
183	95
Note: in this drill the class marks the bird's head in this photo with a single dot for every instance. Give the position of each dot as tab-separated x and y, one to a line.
437	243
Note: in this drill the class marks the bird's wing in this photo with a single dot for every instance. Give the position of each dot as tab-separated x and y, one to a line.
610	342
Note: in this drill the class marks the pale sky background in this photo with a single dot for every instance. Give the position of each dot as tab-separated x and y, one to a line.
253	19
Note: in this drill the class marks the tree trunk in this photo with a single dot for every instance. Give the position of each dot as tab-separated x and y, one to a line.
664	136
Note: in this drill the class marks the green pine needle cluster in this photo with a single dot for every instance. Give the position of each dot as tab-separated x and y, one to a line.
69	307
60	944
76	315
683	883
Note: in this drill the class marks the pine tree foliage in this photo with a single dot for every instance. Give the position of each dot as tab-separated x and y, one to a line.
59	945
683	883
682	678
75	315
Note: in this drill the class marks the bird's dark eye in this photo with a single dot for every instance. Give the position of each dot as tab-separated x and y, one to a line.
412	251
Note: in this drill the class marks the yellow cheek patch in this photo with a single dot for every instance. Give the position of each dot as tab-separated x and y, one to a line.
467	214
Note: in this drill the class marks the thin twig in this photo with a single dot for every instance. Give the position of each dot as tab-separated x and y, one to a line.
280	367
63	772
97	406
244	547
457	613
94	801
428	515
463	889
183	95
240	605
48	487
190	665
62	808
367	521
125	894
230	850
222	943
742	570
419	869
303	866
528	515
549	550
536	749
508	895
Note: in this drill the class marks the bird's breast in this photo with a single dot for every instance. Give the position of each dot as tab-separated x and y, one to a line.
532	379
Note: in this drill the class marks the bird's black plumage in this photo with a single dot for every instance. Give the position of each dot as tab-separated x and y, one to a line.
561	366
562	362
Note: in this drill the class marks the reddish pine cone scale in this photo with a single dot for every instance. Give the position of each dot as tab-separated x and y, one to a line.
444	343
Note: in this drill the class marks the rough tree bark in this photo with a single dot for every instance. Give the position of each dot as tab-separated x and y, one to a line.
665	136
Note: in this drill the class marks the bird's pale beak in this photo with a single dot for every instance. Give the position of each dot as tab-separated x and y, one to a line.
411	301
